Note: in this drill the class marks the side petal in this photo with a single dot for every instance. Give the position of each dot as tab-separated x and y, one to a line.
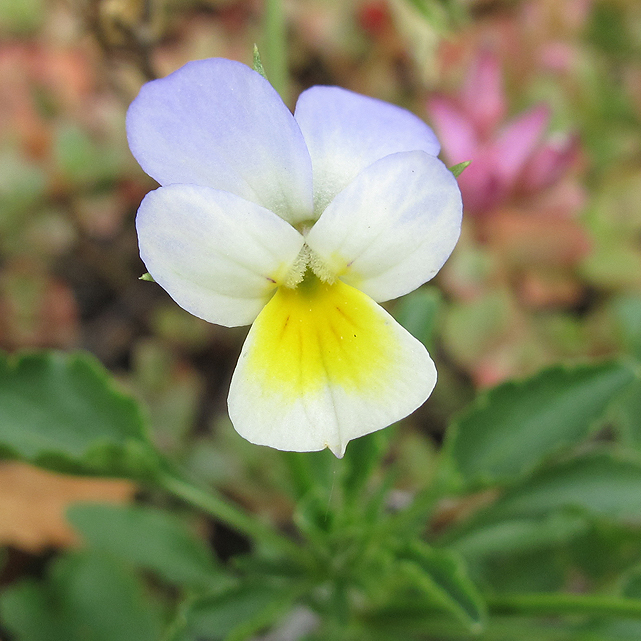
324	364
393	227
218	256
345	132
219	124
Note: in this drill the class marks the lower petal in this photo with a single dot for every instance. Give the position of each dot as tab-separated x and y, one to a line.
323	364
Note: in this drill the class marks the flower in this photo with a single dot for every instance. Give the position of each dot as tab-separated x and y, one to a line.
505	160
299	224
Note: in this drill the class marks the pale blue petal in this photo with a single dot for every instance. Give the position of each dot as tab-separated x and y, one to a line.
392	228
218	256
219	124
346	132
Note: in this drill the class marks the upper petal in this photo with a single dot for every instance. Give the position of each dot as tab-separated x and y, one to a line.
345	132
393	227
219	124
217	255
324	364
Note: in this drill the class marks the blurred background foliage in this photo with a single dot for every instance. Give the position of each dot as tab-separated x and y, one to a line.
543	96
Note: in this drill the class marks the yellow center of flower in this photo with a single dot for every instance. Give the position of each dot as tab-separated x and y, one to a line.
318	333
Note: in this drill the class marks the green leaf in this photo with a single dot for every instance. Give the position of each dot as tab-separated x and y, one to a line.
510	429
148	538
147	277
518	535
85	597
627	313
457	170
417	313
441	575
601	484
361	458
239	612
63	412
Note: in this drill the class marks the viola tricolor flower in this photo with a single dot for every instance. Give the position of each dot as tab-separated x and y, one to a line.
300	225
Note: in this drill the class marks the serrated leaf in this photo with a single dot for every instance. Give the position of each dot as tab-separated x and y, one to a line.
442	576
600	484
85	597
510	429
148	538
63	412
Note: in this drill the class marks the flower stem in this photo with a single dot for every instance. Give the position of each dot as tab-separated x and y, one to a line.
276	47
565	604
216	506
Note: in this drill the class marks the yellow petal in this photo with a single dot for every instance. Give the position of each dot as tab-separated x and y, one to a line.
323	364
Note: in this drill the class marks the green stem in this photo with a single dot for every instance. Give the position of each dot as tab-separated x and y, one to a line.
566	604
276	47
216	506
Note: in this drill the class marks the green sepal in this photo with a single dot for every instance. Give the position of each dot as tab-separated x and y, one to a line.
258	63
457	170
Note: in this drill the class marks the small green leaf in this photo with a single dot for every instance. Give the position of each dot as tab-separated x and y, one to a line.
627	311
599	484
148	538
361	458
457	170
63	412
258	63
148	277
518	535
510	429
85	597
628	415
442	576
239	612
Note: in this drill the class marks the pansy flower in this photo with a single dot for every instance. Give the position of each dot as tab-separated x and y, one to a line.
298	225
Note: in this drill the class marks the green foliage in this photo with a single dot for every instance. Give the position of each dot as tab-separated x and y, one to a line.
85	597
601	484
237	613
361	569
64	412
442	576
509	430
148	538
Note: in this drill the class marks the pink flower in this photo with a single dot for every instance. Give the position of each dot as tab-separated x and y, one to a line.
507	159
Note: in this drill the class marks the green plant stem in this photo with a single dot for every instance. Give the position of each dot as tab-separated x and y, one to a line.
216	506
565	604
275	47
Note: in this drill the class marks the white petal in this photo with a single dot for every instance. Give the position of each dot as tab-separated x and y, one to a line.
324	364
345	132
218	256
219	124
393	227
